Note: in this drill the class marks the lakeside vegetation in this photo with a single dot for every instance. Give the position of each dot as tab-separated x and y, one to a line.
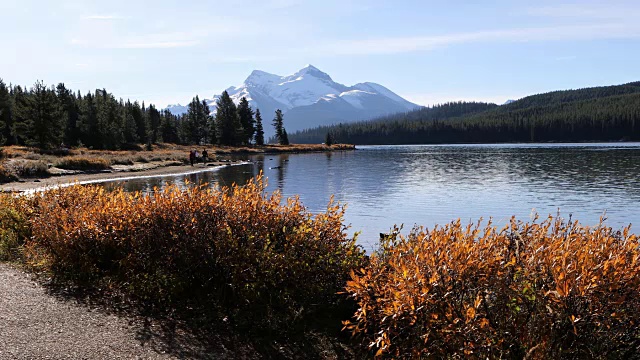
609	113
536	290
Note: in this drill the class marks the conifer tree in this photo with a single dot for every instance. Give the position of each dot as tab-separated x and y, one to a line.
208	123
6	116
42	118
228	126
259	129
69	106
281	133
154	125
130	127
328	139
245	114
169	127
89	121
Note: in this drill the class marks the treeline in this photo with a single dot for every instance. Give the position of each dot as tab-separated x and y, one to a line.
48	117
594	114
402	128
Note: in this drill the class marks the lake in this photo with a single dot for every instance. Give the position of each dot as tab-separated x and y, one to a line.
435	184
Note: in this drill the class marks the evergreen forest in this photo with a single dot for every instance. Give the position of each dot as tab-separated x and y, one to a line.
609	113
51	117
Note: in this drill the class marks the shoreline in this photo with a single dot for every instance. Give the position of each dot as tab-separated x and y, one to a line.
117	174
164	160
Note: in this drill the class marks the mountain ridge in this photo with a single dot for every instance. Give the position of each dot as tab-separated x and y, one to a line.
310	97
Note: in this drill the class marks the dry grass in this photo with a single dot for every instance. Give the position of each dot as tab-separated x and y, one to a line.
26	168
83	163
6	175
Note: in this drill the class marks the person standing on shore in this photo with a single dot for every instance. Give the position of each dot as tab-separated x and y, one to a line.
205	156
192	156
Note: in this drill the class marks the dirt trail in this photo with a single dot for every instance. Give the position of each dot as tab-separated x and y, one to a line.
36	325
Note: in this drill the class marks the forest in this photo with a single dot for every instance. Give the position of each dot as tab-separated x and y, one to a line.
50	117
606	113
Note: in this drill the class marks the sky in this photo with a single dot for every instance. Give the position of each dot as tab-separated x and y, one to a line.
167	51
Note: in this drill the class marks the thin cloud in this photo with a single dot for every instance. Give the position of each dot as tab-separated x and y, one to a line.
282	4
398	45
102	17
156	45
589	11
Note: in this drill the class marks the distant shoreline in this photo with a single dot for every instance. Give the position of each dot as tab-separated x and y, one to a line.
154	170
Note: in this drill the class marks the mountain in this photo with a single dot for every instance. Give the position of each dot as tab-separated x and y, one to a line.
509	102
310	98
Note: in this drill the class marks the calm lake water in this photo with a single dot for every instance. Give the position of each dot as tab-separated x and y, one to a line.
428	185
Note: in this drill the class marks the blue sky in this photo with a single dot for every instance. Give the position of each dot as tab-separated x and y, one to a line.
167	51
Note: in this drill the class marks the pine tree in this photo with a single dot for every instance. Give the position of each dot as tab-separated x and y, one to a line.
208	123
281	133
140	117
130	127
42	118
6	115
154	125
89	121
245	114
259	129
228	126
328	139
71	111
169	127
198	121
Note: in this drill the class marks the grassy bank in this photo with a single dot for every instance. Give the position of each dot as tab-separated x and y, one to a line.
239	260
20	162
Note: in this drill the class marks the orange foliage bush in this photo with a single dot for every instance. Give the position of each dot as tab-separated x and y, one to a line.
14	228
237	248
83	163
546	290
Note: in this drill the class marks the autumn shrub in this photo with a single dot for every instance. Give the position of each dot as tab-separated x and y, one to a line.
6	175
238	249
549	290
14	229
27	168
83	163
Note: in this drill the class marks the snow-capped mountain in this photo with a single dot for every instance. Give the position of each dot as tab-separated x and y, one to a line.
310	98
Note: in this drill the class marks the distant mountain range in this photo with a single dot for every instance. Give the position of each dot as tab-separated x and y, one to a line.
310	98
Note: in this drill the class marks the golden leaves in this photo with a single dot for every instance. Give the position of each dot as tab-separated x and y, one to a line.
162	244
476	289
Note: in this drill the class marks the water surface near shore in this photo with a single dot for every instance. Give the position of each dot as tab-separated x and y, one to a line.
435	184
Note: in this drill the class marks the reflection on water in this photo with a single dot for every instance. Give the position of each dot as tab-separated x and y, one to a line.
427	185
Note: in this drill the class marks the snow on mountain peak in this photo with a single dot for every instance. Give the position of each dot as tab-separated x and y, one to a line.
311	98
312	71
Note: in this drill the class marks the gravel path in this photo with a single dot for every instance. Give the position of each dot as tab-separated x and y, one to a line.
36	325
